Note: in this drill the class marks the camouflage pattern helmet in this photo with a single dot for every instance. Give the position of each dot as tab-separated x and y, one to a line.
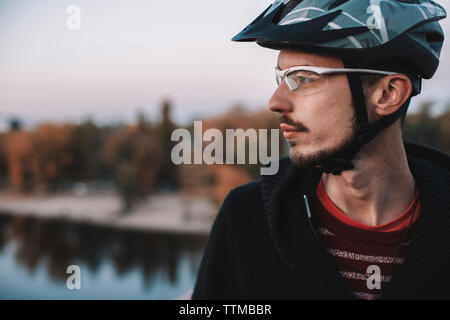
401	30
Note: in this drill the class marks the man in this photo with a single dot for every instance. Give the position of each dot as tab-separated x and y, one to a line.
353	211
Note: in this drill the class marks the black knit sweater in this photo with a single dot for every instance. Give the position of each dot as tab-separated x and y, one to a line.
262	247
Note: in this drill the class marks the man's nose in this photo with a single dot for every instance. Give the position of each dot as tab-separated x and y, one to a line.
280	101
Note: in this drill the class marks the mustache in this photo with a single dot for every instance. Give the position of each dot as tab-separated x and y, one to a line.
297	125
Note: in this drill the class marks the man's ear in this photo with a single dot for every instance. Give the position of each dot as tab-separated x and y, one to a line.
389	94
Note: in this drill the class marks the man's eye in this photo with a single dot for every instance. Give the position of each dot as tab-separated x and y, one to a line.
305	80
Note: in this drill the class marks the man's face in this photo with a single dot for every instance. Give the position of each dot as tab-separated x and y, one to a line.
317	122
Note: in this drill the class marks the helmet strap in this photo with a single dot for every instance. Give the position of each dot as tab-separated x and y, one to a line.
366	131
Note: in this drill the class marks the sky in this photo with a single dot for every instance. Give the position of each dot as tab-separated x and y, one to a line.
129	55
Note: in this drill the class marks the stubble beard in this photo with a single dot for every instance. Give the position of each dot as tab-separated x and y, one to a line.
325	155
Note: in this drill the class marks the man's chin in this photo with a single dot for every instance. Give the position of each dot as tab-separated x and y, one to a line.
314	158
305	161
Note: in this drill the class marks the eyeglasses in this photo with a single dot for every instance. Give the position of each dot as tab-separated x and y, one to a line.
304	79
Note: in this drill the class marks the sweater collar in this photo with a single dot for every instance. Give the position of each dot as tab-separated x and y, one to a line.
290	232
429	250
298	248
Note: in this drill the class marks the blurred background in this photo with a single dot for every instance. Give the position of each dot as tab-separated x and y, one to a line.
85	122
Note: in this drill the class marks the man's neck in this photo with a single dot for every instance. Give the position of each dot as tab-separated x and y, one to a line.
379	189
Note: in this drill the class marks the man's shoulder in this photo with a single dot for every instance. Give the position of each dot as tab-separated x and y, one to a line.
434	157
253	188
244	197
430	165
250	194
249	189
247	202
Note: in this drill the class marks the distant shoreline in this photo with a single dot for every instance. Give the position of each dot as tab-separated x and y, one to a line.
167	213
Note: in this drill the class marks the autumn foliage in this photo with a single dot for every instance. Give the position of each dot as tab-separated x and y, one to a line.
135	158
40	158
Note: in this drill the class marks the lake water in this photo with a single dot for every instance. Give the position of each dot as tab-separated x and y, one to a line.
114	264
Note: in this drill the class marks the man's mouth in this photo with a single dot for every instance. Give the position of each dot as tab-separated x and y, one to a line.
289	132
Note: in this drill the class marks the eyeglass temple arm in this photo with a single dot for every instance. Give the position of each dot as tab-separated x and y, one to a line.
324	70
338	70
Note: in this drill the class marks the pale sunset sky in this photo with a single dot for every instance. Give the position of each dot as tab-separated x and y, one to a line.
130	55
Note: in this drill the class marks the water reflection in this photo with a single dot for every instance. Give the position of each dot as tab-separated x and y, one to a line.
61	243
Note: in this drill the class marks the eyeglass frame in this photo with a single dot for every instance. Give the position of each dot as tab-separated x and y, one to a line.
281	74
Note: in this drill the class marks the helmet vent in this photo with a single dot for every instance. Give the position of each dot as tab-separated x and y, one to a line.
288	8
409	1
435	37
337	3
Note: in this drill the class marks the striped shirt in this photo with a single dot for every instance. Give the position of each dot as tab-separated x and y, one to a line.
364	255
